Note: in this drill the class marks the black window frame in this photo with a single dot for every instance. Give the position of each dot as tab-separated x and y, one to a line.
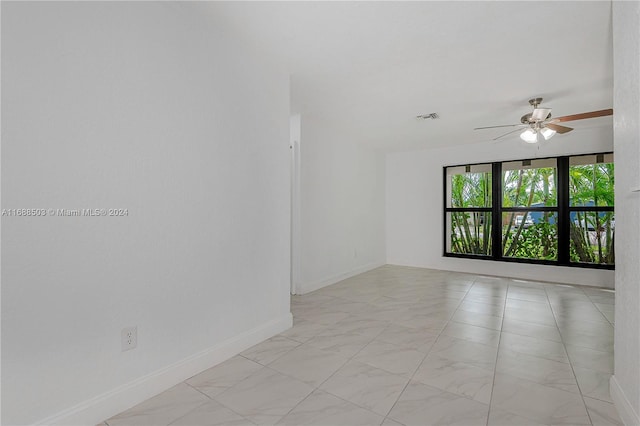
563	210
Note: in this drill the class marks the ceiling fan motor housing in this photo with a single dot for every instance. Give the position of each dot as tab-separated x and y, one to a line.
535	102
526	119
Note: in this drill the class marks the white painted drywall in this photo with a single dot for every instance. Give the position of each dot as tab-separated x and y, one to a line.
294	146
626	104
143	106
342	208
414	205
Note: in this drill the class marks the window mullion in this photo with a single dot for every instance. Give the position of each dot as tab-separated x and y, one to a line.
496	213
564	227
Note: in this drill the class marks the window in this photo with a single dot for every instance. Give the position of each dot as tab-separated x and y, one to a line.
553	211
468	215
529	209
592	221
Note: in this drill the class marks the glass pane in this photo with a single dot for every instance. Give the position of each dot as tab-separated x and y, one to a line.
469	186
592	236
469	232
529	183
530	235
591	179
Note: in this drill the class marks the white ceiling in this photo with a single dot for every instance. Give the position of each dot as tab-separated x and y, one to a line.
368	68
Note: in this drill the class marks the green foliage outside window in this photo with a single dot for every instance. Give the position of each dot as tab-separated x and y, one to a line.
592	233
525	188
533	234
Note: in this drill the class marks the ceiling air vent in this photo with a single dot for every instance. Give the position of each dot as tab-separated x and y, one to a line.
431	116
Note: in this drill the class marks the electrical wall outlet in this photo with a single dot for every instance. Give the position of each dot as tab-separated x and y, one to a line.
129	338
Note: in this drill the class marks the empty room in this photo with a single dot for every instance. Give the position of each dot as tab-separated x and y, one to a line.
320	213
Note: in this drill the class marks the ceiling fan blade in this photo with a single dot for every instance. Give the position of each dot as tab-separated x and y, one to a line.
495	127
592	114
540	114
558	128
508	133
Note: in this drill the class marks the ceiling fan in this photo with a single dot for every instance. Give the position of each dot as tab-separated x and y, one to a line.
539	125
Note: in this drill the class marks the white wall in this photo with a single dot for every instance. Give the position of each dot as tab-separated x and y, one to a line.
294	146
141	106
342	205
414	205
625	384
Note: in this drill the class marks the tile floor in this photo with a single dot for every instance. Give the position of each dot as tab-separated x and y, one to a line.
410	346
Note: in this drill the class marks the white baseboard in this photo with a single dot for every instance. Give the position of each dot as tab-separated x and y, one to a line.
304	288
530	272
627	414
102	407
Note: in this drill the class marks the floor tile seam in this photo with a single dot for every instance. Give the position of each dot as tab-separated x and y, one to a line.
297	341
515	284
386	325
494	305
401	346
355	403
533	419
603	300
313	387
384	369
602	297
457	395
564	345
457	322
335	326
538	306
176	419
480	313
211	399
475	296
215	397
495	365
466	293
296	405
539	356
278	357
569	339
482	326
597	399
422	362
535	356
454	393
397	399
533	337
346	360
605	321
533	322
569	344
607	318
576	392
350	357
524	294
473	341
581	305
610	306
198	390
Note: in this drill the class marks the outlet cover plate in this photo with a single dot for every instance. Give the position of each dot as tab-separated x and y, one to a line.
129	338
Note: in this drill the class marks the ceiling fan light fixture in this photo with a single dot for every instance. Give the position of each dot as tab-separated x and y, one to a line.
547	133
529	136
